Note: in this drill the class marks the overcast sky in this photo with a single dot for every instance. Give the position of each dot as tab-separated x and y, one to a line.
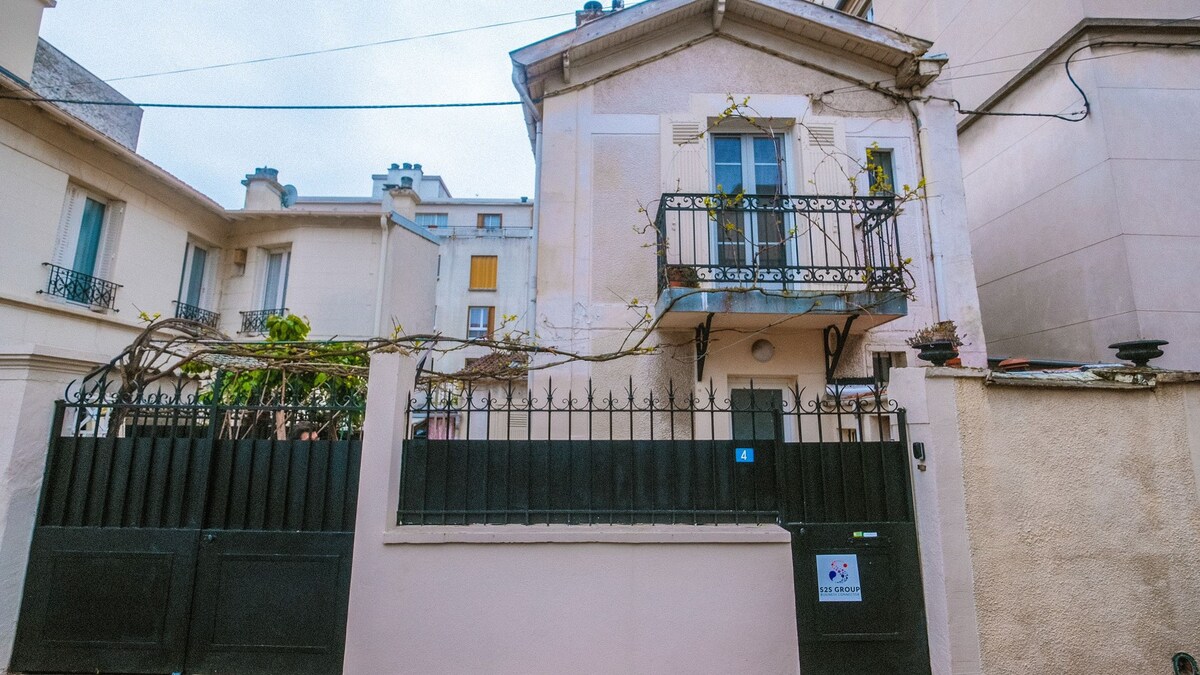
479	152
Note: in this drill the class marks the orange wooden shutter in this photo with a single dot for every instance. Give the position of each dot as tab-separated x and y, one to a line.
483	272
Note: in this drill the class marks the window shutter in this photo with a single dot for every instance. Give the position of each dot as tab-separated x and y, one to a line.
823	152
483	272
685	156
824	158
68	228
114	218
491	321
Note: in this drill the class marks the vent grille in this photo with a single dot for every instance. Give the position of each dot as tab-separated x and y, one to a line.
821	135
685	133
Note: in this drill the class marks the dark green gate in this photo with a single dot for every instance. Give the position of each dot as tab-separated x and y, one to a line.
180	537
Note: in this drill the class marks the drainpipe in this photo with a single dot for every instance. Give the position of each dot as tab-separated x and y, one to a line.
385	232
936	255
534	227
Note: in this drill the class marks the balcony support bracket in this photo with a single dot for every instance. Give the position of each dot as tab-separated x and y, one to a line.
835	345
702	333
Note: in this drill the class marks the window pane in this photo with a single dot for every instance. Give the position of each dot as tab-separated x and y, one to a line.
767	151
727	149
729	178
479	320
196	276
881	172
276	281
89	237
489	220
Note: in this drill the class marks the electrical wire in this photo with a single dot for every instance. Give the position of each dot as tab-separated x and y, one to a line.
343	48
239	106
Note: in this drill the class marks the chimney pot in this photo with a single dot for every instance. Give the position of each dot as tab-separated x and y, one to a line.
407	165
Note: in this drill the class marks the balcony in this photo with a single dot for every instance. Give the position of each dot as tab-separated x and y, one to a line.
81	288
194	313
754	260
255	322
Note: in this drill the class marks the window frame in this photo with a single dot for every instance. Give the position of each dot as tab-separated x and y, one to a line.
285	272
889	170
481	221
443	219
473	330
187	274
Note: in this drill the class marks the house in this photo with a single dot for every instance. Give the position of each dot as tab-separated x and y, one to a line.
1079	225
728	263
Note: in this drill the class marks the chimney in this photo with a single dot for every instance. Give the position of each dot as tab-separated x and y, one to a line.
402	198
592	10
19	35
263	191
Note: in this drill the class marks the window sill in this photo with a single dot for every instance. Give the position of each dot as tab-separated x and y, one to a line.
586	534
484	290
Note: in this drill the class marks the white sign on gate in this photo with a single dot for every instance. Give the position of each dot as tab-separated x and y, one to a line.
837	578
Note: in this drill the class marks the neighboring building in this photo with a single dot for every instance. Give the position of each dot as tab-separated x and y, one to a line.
97	239
1082	232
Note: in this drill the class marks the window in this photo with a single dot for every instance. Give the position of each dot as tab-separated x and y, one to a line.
193	283
753	165
480	322
85	249
868	12
881	172
882	364
433	220
489	221
275	279
483	272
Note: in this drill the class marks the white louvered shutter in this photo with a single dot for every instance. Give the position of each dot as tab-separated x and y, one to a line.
68	228
685	169
824	170
114	218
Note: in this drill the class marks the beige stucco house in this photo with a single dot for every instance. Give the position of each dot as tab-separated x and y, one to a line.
1082	231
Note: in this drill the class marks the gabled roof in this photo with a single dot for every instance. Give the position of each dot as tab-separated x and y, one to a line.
804	21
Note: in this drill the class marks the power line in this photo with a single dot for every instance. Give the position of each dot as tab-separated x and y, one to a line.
239	106
343	48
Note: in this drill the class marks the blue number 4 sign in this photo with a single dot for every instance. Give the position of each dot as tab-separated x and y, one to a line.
744	454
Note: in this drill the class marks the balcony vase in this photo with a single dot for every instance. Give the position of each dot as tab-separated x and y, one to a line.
679	276
1139	351
937	352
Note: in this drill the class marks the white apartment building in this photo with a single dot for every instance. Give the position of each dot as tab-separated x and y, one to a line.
1083	232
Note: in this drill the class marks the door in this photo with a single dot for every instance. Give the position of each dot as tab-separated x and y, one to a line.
751	232
859	602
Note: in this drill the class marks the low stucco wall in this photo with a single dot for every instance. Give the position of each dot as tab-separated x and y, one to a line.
1071	516
538	599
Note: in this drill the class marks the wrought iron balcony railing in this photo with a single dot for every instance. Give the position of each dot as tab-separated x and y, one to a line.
255	322
79	287
194	313
796	242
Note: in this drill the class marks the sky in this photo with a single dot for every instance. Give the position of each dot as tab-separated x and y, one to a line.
482	152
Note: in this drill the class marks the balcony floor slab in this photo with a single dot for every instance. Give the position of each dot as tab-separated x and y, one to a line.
751	308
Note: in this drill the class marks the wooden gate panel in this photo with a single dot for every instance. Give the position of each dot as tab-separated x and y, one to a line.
270	602
106	600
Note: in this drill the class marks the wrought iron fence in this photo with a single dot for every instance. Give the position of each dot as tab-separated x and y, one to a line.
194	313
79	287
255	322
501	456
715	240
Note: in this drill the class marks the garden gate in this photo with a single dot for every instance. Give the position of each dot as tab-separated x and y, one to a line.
175	535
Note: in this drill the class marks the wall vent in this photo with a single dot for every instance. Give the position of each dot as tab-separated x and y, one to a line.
821	135
685	133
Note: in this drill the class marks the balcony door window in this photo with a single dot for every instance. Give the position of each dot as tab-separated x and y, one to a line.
275	281
192	286
87	247
750	232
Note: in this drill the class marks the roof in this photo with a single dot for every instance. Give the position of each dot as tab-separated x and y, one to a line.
499	365
122	153
800	20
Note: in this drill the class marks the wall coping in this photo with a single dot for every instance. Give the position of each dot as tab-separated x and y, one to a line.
586	534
